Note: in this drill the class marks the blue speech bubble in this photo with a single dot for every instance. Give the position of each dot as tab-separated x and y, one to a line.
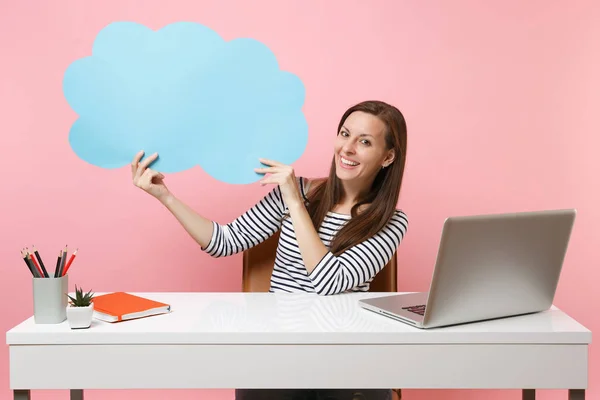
184	92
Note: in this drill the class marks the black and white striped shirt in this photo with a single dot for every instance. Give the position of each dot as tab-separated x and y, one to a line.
352	270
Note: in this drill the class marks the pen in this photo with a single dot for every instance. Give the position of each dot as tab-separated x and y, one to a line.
69	263
40	262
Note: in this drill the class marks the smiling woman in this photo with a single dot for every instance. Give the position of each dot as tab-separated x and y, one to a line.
337	233
366	173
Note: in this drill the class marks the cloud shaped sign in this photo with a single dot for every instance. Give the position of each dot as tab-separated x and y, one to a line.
184	92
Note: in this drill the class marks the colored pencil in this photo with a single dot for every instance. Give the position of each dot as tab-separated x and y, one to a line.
29	266
69	263
63	260
57	268
35	264
39	259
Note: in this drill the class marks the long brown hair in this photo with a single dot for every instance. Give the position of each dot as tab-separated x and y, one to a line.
384	192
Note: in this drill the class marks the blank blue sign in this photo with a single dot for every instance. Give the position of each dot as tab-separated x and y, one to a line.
184	92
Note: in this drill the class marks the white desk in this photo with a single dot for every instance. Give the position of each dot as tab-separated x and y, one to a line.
262	340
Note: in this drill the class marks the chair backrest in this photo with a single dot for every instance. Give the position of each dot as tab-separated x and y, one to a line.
258	264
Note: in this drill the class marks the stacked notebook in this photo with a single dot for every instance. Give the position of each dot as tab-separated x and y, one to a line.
121	306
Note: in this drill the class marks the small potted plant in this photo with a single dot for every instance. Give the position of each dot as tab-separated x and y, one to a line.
80	310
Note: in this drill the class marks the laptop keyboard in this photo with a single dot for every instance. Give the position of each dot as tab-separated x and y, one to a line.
420	309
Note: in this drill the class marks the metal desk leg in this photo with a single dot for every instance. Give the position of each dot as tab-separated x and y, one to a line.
576	394
528	394
22	394
76	394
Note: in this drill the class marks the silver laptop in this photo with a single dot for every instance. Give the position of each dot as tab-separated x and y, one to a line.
487	267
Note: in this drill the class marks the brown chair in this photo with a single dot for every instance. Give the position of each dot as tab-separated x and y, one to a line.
258	264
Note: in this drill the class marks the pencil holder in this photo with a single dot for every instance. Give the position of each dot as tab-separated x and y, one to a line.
50	299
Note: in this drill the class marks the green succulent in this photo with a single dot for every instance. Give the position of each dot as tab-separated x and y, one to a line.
80	299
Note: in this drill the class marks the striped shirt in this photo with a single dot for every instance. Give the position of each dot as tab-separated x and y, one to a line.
352	270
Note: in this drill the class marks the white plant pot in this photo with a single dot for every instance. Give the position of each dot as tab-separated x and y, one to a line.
80	317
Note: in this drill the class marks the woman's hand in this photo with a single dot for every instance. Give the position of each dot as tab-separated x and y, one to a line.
147	179
282	175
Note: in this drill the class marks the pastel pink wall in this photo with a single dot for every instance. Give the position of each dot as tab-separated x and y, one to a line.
501	100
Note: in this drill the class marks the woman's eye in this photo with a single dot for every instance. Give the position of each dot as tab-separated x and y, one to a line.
366	142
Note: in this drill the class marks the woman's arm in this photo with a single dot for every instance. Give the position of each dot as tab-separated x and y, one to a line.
250	229
333	274
360	263
153	183
310	244
197	226
220	240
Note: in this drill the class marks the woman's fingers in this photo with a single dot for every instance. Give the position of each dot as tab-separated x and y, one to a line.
135	162
148	160
275	178
266	161
146	178
267	170
141	168
280	174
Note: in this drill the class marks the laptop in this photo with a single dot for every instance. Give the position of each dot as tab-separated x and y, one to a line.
487	267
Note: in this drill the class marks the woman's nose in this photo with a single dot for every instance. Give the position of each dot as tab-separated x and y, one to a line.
349	146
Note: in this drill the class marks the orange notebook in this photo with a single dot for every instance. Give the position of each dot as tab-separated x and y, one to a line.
121	306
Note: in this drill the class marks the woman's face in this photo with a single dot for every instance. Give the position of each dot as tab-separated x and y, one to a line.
360	149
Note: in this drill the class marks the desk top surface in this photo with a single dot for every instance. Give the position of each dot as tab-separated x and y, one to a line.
268	318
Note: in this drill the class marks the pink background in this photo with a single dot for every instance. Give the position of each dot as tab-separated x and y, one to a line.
501	100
